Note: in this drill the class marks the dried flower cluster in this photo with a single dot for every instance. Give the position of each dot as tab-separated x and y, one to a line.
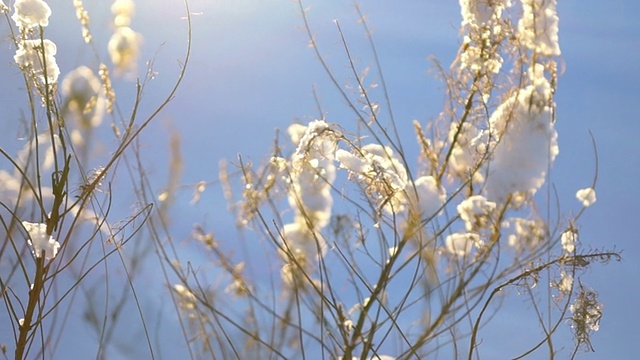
125	42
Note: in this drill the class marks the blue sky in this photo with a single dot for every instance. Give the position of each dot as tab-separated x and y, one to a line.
252	72
258	75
